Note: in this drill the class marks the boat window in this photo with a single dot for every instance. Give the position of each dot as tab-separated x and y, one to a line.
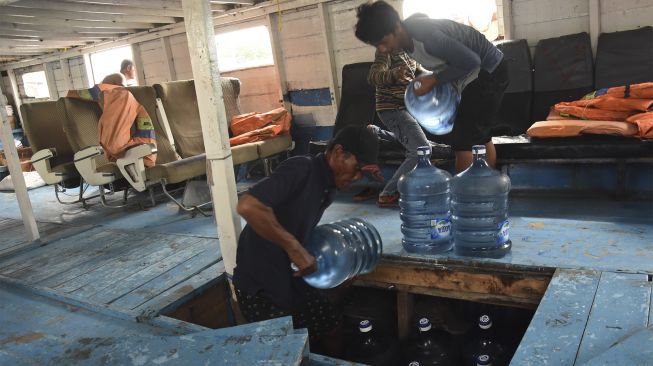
107	62
244	48
480	14
36	85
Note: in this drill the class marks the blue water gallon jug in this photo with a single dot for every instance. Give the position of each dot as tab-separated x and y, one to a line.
343	250
424	207
479	207
435	111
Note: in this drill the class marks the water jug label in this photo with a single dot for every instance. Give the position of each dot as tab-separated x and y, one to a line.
440	228
503	232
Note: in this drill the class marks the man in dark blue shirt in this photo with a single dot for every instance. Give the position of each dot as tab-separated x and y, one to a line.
281	211
456	54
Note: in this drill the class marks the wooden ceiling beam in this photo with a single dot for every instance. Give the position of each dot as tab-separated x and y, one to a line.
98	8
63	28
47	15
57	24
4	35
238	2
36	43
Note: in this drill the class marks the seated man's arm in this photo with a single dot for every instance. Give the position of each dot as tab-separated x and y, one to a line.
380	72
264	222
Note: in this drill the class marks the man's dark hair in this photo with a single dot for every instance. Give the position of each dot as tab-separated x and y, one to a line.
359	141
375	21
125	64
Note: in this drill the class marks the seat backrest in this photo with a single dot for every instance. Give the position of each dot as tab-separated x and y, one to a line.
563	63
81	122
146	96
44	127
180	104
357	104
624	58
563	71
520	67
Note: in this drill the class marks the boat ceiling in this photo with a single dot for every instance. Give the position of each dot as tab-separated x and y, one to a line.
30	28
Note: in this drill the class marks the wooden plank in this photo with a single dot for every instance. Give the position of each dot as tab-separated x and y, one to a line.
100	8
168	61
40	257
15	14
52	84
51	265
555	332
14	238
326	27
127	284
147	251
215	126
461	282
404	313
634	350
278	56
620	307
172	298
120	250
137	58
165	281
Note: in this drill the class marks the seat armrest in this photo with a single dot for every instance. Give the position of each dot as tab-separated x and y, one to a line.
41	162
132	167
86	164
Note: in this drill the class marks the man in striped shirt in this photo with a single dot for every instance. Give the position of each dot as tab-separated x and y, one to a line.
390	74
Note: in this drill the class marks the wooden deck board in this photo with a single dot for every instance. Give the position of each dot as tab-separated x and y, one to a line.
165	281
633	350
175	296
128	284
40	258
621	306
555	332
118	268
42	331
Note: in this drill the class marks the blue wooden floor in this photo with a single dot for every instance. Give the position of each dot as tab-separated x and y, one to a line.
134	261
40	329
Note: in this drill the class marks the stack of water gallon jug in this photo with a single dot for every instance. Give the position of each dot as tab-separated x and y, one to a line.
467	212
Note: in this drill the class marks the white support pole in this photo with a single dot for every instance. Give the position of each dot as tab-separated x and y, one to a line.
325	24
507	19
50	79
13	163
595	23
138	64
168	61
215	129
90	76
277	54
65	71
15	92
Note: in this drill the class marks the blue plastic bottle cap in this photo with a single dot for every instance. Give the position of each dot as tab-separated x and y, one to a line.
424	325
423	150
484	322
365	326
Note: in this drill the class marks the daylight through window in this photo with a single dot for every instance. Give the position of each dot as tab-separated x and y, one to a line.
480	14
36	85
244	48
